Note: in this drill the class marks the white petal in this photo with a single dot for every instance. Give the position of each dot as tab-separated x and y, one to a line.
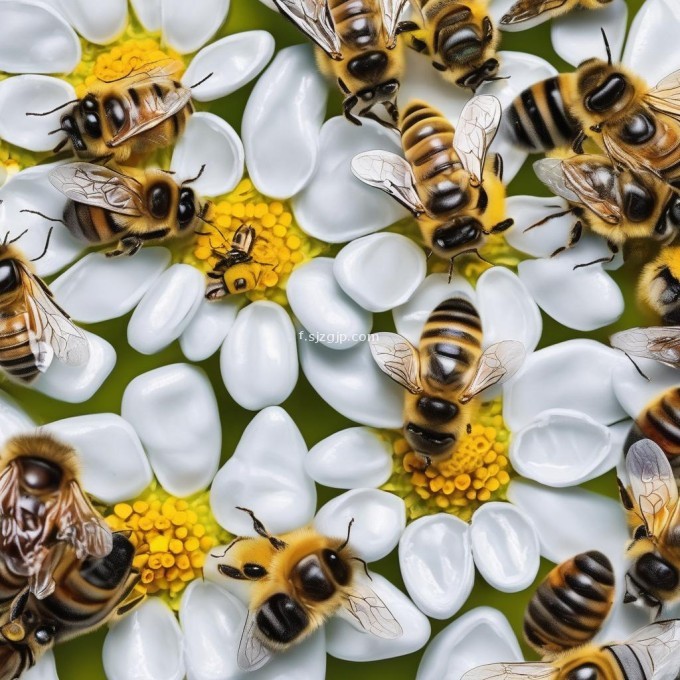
306	660
560	448
479	637
576	374
410	317
186	27
259	357
365	270
507	310
76	384
166	309
505	547
149	13
500	7
269	3
209	327
435	559
544	240
233	61
266	474
335	206
13	420
35	38
114	465
208	140
619	433
98	288
349	459
623	620
31	190
145	645
351	383
577	37
323	308
174	411
583	299
100	27
343	641
379	518
656	23
212	621
44	669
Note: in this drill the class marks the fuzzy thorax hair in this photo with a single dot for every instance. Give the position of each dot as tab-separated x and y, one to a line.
42	446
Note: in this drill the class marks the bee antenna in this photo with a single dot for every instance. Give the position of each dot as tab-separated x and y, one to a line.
260	530
194	179
47	243
47	113
637	368
45	217
349	531
229	547
606	45
358	559
14	240
200	82
60	146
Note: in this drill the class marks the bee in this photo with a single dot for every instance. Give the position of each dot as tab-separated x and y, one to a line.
300	580
443	375
659	283
33	328
455	193
531	10
358	48
43	509
130	207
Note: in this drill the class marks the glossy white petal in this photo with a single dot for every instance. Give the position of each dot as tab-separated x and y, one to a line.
323	308
507	309
114	465
410	317
481	636
211	142
624	620
145	645
343	641
435	559
187	26
281	123
380	271
266	474
76	384
269	3
306	660
335	206
233	61
13	419
576	374
577	35
44	669
174	411
505	547
166	309
209	327
379	519
100	27
352	384
259	357
350	459
98	288
583	299
149	13
21	21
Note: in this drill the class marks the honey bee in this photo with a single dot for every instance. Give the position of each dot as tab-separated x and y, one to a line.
33	328
659	283
531	10
358	47
443	375
129	206
455	193
43	509
300	580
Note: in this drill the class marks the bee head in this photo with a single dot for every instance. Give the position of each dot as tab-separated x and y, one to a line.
654	578
241	278
606	90
457	234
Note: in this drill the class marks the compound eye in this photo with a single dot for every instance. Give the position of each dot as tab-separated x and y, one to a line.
656	572
92	125
186	209
9	279
240	284
586	671
115	113
608	95
44	635
639	129
254	571
389	88
159	201
674	212
88	104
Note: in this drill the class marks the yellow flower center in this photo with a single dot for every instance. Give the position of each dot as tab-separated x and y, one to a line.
478	471
171	537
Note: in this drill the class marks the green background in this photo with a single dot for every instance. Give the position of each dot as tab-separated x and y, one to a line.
81	659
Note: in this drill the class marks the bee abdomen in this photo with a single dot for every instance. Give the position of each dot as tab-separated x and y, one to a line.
355	22
660	422
91	224
571	604
16	353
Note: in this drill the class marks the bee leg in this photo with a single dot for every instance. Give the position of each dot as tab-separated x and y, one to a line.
602	260
347	106
500	227
231	572
468	429
407	27
498	166
626	500
127	246
101	160
575	237
577	144
547	219
260	530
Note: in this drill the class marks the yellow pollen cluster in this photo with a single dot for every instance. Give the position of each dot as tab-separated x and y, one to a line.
171	537
478	471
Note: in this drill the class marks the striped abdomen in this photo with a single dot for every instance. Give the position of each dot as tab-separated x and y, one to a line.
358	23
538	120
570	606
660	421
93	224
16	353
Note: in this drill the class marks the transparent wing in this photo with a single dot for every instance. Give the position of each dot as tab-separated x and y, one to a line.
512	671
498	363
595	181
665	97
661	343
523	10
314	19
652	484
156	70
549	171
243	239
252	654
397	357
476	129
368	612
391	173
656	649
98	186
391	10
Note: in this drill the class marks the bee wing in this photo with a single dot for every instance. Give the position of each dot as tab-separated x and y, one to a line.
523	10
627	155
512	671
397	357
391	11
655	649
313	18
549	171
476	129
499	363
243	239
665	97
9	502
98	186
252	654
391	173
155	70
652	484
661	343
364	610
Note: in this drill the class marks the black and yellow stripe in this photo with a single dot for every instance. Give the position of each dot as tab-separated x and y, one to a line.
16	352
358	23
93	224
660	422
